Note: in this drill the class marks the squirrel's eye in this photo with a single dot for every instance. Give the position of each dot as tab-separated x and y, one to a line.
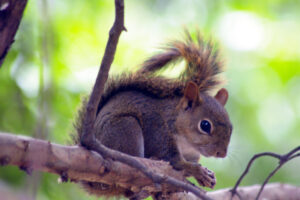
205	126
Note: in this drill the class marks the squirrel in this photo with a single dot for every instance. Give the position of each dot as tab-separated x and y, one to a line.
176	120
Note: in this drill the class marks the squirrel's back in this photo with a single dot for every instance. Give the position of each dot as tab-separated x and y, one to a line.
156	87
202	67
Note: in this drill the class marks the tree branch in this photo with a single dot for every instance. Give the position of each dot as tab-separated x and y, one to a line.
11	12
282	160
102	76
272	191
78	164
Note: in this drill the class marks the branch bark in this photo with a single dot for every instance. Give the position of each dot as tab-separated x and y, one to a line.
272	191
11	12
78	164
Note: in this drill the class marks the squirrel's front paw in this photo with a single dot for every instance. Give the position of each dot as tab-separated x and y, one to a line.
205	177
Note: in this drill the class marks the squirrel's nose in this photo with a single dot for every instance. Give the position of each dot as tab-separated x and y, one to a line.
221	154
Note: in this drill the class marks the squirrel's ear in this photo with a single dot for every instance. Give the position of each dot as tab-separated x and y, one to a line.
222	96
191	93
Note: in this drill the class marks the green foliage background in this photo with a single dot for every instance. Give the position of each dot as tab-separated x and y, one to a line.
59	45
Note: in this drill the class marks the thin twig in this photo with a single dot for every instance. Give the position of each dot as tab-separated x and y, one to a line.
282	160
292	152
102	76
249	165
294	156
267	179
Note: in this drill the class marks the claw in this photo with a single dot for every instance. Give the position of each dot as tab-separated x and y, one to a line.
205	177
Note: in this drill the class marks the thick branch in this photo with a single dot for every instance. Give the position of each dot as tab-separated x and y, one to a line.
272	191
78	164
11	12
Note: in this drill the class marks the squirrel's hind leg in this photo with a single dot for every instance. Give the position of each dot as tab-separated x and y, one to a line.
123	134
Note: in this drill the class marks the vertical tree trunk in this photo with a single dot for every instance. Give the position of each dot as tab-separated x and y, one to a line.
11	12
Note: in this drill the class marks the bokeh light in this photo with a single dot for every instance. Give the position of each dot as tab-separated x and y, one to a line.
242	31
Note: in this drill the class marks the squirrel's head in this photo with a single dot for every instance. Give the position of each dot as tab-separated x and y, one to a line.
203	121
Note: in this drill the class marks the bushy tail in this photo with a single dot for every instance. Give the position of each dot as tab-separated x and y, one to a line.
202	61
